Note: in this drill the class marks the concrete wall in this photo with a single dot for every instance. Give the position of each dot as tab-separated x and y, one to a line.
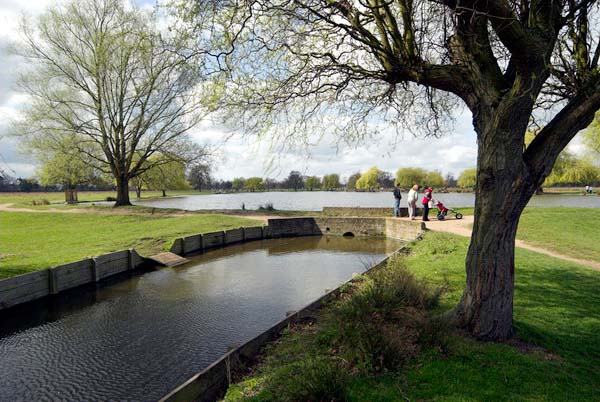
368	212
293	227
212	383
356	226
390	227
24	288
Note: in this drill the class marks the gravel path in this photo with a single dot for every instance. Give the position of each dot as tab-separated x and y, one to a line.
463	227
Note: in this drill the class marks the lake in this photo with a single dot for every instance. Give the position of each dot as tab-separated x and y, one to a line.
316	200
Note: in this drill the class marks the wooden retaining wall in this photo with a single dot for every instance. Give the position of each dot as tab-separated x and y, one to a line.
34	285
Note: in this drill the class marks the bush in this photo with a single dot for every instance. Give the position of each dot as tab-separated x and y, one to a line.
40	202
267	207
318	379
384	322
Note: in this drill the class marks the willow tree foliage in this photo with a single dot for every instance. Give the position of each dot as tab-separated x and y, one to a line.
591	139
312	182
331	181
408	177
368	180
65	167
467	178
355	67
101	71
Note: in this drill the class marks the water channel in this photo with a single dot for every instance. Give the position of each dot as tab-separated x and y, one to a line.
138	337
316	200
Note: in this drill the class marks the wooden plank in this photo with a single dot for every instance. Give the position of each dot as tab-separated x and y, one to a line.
169	259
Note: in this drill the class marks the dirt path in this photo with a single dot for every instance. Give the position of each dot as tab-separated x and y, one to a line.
9	208
117	211
463	227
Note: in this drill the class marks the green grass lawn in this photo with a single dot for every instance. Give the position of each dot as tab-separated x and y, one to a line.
555	358
27	199
31	241
570	231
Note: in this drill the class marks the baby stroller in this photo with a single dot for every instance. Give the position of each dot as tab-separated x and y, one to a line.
443	211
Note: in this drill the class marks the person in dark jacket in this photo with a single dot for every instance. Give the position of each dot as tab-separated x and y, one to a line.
397	198
427	197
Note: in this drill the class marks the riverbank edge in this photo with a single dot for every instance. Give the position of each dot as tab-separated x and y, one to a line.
212	382
51	281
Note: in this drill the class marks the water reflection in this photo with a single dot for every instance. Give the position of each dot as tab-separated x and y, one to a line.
138	337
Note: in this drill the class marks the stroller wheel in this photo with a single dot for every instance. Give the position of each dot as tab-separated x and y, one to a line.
459	216
440	217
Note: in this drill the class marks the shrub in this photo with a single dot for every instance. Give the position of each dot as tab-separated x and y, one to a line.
267	207
384	323
40	202
310	379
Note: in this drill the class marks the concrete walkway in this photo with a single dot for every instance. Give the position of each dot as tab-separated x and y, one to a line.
463	227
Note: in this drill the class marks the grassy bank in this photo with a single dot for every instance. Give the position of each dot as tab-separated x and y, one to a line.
569	231
32	241
554	357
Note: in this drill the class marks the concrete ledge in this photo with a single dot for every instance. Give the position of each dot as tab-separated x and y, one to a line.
390	227
363	212
212	383
293	227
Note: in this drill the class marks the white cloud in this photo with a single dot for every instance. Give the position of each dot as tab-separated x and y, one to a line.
244	156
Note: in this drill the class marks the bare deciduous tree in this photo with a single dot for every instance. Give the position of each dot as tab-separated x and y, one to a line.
100	70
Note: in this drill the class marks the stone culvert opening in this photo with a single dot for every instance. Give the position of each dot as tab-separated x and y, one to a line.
348	234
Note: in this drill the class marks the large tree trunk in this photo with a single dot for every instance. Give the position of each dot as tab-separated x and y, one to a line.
504	186
122	192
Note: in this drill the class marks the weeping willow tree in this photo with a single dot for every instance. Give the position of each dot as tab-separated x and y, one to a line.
358	67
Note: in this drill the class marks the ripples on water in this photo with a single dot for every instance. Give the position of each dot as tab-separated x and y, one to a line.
138	338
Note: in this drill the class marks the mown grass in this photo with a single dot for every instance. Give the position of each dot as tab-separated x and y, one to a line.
29	199
31	241
553	358
570	231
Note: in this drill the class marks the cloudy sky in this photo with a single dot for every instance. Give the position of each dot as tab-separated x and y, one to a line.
241	155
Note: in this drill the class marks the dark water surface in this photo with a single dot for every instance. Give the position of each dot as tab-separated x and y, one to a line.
138	338
316	200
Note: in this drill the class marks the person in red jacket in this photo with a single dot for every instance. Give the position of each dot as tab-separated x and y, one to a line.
427	196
